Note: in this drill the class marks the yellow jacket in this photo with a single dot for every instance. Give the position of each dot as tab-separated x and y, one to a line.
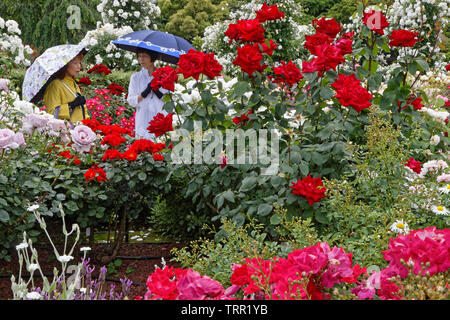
56	94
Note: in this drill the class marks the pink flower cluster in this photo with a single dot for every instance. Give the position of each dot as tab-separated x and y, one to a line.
302	275
103	109
416	249
10	140
183	284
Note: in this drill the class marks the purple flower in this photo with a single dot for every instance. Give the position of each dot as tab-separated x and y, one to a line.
83	138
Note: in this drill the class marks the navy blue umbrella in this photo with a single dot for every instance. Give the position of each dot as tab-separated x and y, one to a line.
168	46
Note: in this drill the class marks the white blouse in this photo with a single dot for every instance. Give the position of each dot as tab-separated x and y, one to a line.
149	107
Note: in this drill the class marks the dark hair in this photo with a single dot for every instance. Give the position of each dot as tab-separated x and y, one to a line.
153	55
61	73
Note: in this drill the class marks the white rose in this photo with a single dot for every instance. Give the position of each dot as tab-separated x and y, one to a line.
435	140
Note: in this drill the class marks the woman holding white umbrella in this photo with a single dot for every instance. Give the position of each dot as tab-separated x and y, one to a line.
52	77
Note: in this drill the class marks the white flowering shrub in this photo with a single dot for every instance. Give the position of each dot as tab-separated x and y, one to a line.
12	51
138	14
287	33
102	51
428	17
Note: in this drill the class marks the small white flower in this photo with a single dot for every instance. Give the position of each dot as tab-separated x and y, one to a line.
440	210
85	249
34	295
33	207
64	258
23	245
445	189
400	226
435	140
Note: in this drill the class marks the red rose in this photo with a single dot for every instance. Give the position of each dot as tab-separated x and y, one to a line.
116	89
212	67
240	276
268	13
316	40
164	77
142	145
350	93
85	80
160	124
158	157
191	64
99	68
344	45
242	119
414	165
267	49
130	155
287	73
113	139
375	21
447	67
246	30
417	103
403	38
95	172
91	123
328	57
328	26
311	188
249	59
112	154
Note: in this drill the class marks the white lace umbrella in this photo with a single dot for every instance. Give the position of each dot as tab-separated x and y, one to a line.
44	68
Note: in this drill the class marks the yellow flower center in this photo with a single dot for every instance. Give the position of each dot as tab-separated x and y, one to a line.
440	208
400	225
448	187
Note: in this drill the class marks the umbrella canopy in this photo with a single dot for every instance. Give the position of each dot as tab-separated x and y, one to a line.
169	47
44	68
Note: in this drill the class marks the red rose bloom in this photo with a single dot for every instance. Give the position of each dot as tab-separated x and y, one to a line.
311	188
316	40
249	59
414	165
403	38
85	81
328	26
344	46
287	73
246	30
267	49
160	124
91	123
212	67
116	89
95	172
100	69
191	64
447	67
350	93
164	77
268	13
417	103
113	139
375	21
130	155
328	57
112	154
158	157
242	119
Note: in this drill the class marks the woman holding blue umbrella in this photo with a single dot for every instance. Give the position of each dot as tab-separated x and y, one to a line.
149	46
147	102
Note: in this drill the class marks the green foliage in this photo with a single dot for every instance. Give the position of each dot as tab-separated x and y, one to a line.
342	10
189	18
52	30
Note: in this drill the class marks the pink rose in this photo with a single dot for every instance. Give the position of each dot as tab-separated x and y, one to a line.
83	138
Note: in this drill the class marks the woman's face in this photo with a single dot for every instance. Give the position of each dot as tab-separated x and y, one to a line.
74	66
144	60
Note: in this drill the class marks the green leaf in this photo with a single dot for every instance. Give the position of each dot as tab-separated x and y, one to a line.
248	183
229	195
4	216
275	219
326	93
264	209
238	219
142	176
423	65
